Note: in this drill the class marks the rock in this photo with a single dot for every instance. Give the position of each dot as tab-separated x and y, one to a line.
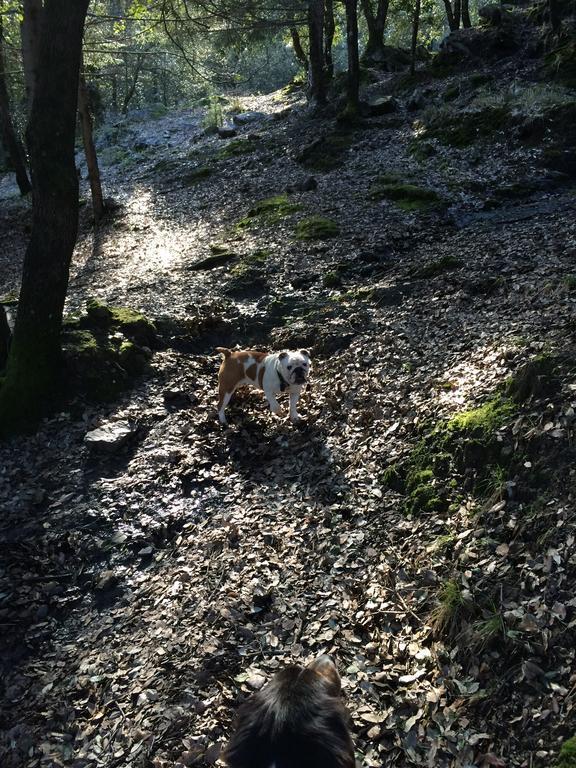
179	398
416	100
105	581
384	105
491	14
109	437
210	262
243	118
307	185
227	131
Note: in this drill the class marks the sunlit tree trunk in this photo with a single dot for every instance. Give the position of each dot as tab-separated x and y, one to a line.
32	374
90	149
316	80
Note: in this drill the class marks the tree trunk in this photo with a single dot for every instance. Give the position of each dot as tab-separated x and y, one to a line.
457	13
5	336
29	33
316	82
450	17
555	15
415	25
32	374
131	89
376	23
298	49
9	137
353	82
90	149
329	30
466	20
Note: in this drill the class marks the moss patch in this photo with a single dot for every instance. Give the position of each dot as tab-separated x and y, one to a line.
409	197
437	267
461	129
236	148
268	211
316	228
327	152
196	175
250	262
567	756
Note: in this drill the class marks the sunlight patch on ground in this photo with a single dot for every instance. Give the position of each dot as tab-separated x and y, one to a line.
462	382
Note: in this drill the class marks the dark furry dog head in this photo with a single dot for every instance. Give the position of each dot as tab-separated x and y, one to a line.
297	721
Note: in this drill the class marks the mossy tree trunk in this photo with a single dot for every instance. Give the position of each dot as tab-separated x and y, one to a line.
376	23
34	361
9	137
353	82
316	80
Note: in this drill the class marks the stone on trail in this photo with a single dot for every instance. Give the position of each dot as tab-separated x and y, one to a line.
110	436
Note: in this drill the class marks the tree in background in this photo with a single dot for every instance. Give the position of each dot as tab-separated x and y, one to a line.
353	78
32	373
375	14
9	136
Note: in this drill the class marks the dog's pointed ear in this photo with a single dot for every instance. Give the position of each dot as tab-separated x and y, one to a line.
305	352
325	667
282	355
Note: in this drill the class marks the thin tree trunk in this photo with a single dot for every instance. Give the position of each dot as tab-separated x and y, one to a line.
316	83
457	13
329	30
131	90
353	83
10	139
466	21
29	33
90	149
415	25
298	49
5	336
32	374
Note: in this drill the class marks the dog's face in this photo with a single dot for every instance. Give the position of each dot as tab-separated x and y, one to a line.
296	721
295	366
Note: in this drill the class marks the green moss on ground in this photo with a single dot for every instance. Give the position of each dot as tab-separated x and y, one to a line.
327	152
250	262
437	267
196	175
409	197
461	129
567	756
468	442
128	321
236	148
268	211
316	228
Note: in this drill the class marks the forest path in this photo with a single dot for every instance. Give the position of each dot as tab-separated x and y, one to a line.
148	591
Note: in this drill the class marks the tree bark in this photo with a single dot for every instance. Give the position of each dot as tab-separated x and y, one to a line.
5	336
298	49
29	33
32	374
11	142
457	13
450	16
131	89
353	82
316	81
466	20
329	30
415	25
90	149
376	23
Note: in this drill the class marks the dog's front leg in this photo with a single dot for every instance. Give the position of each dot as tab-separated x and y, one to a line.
274	404
294	415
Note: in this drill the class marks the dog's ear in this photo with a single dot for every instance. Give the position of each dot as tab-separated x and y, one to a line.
325	667
282	355
305	352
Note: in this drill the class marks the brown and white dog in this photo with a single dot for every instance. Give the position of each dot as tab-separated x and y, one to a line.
272	372
298	720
